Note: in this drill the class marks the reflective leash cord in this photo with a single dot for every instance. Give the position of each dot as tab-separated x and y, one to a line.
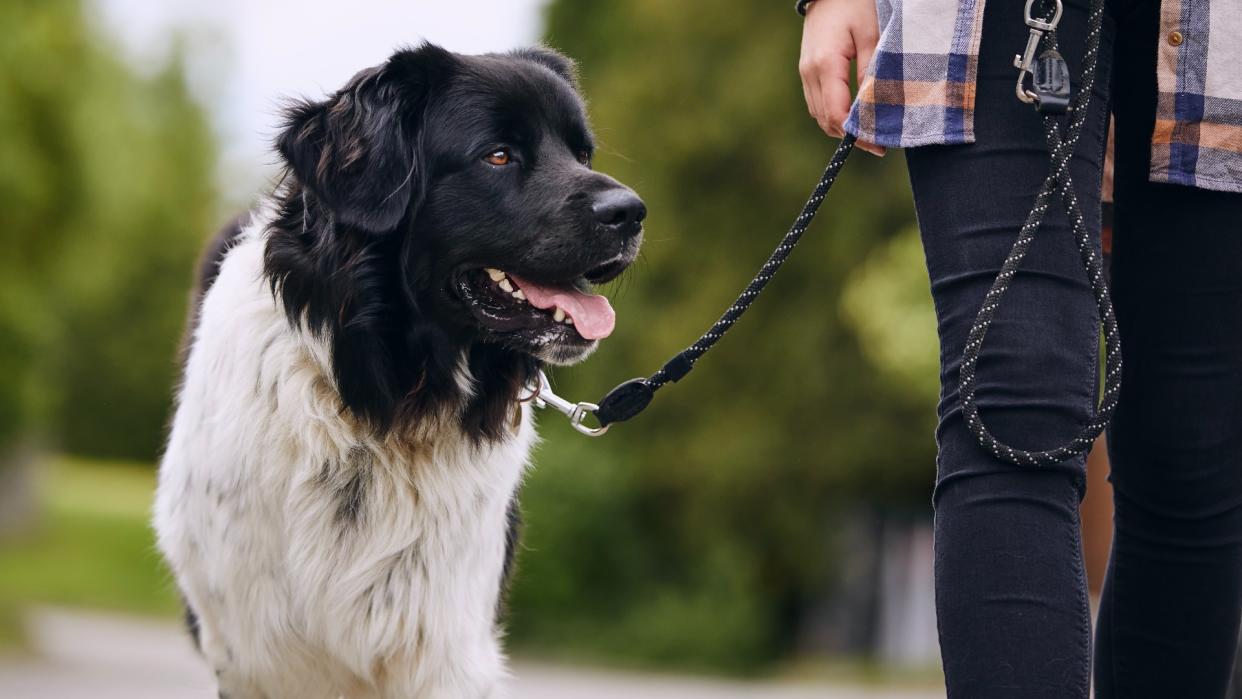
633	396
1061	144
1051	97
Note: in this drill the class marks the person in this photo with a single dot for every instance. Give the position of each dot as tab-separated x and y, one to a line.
937	78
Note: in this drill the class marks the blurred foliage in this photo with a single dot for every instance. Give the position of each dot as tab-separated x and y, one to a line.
702	531
106	190
91	546
890	308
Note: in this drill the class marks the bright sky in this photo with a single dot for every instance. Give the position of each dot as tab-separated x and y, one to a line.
244	55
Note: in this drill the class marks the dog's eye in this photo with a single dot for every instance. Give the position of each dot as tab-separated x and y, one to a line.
584	157
500	156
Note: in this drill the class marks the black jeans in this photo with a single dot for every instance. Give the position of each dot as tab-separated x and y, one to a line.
1011	593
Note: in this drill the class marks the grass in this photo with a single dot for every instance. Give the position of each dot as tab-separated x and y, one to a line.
91	546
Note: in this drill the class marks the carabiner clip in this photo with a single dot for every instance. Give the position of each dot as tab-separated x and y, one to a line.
576	412
1044	25
1025	61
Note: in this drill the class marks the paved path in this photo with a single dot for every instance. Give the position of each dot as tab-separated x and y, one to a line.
94	656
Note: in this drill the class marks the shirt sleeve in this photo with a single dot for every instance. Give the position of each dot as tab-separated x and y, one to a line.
920	86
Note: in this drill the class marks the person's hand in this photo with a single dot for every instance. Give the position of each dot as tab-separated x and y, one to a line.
834	33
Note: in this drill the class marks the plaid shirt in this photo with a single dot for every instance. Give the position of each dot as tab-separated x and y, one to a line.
920	87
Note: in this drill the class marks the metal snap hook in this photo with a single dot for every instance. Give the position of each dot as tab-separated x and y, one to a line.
576	412
581	410
1043	25
1024	62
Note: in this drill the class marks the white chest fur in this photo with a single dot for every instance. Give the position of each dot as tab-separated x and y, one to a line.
320	560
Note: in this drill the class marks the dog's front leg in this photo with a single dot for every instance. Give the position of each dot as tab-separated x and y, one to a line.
281	676
478	675
230	681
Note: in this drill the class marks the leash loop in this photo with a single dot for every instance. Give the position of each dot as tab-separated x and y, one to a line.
1061	144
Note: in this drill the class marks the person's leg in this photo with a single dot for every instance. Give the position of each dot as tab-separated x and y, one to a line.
1169	615
1011	596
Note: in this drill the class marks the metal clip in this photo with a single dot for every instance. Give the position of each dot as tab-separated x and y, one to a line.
1025	61
576	412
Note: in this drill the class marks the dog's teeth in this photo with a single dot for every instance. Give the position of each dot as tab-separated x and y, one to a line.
505	285
519	295
559	315
494	273
569	321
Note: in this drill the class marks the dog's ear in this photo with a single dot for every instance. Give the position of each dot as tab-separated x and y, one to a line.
553	60
357	151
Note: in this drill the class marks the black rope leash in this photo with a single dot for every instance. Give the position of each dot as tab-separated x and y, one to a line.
1050	69
1051	96
630	398
633	396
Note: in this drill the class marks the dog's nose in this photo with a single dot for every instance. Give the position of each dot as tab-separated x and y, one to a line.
619	211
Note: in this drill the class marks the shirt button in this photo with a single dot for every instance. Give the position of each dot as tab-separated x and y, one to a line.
1176	38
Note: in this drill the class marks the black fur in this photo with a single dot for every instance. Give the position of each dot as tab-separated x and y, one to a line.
207	271
352	495
553	61
191	624
387	199
213	255
513	534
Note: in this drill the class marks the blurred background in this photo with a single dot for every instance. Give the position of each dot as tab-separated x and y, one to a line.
764	528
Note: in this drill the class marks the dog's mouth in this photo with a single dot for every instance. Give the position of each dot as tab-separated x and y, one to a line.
535	313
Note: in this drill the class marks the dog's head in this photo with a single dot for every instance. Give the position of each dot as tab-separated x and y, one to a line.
442	206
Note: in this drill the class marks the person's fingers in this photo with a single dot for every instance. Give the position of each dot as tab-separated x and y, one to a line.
818	114
834	87
815	103
821	116
834	34
866	35
866	50
871	148
811	99
864	59
810	87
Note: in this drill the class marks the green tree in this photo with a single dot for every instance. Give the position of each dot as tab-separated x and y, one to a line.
700	532
105	192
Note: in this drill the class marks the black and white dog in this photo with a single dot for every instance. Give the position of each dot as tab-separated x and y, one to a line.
337	498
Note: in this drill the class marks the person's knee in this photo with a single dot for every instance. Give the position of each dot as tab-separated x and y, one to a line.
967	474
1035	380
1002	491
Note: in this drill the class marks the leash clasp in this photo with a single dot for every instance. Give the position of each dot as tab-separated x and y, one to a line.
576	412
1025	63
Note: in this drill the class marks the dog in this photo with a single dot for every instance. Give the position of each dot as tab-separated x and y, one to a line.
337	501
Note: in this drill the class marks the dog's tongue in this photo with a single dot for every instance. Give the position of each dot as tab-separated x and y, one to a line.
593	315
